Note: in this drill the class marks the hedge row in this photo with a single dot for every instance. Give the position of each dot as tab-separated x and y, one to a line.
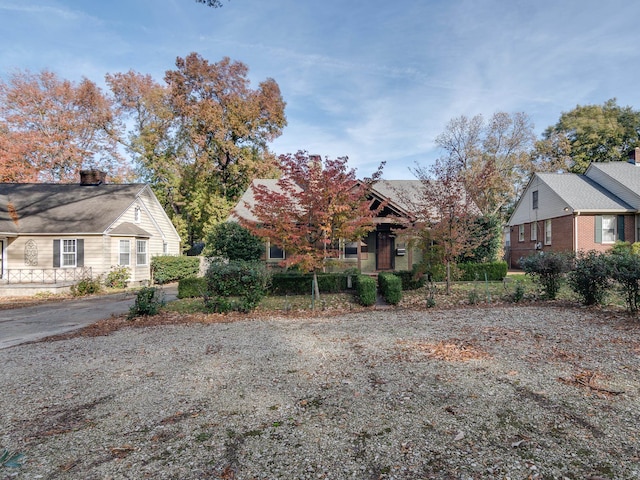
192	287
410	280
300	284
167	268
495	271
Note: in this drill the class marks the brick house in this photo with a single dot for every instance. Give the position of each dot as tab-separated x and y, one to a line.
52	235
564	212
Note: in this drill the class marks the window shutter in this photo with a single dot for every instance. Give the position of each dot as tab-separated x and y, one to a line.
56	254
598	228
621	227
80	252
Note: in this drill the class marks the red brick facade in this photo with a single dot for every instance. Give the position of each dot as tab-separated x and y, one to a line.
563	236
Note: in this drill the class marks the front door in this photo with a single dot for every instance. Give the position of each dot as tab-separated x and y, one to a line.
384	251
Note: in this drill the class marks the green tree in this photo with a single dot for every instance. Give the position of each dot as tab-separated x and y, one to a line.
590	133
232	241
201	138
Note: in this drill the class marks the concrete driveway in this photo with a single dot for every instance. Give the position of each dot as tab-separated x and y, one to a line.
27	324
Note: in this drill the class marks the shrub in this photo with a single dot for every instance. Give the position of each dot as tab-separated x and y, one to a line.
192	287
366	289
495	271
149	301
548	269
300	283
117	277
591	277
625	269
390	287
237	278
168	268
86	286
411	280
232	241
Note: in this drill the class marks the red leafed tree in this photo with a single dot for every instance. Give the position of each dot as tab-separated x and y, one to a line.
51	128
444	211
315	205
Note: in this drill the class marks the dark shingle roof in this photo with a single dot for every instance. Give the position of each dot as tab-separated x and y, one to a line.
63	208
583	194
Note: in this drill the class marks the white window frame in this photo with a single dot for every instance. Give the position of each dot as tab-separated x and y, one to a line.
141	253
68	253
126	252
534	232
535	198
547	232
136	214
165	248
611	233
351	246
521	232
278	248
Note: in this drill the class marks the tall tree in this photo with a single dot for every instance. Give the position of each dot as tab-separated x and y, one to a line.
211	3
493	158
51	128
445	214
202	137
315	205
591	133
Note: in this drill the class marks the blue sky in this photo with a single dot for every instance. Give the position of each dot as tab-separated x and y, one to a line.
370	79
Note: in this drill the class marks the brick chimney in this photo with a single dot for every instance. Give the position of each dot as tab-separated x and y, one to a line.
92	177
634	156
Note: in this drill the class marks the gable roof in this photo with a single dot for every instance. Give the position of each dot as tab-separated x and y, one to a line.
581	193
625	173
30	208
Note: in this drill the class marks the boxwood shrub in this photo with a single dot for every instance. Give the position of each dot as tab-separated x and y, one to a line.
390	287
168	268
495	271
366	289
411	280
235	285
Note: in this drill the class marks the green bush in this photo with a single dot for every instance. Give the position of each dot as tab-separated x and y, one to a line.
625	270
390	287
232	241
411	280
149	301
86	286
300	283
168	268
247	280
117	277
591	277
192	287
548	269
366	289
495	271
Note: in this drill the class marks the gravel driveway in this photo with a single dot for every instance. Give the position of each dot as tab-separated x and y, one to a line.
504	392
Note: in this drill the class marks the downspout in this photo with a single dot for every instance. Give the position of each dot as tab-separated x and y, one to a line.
575	231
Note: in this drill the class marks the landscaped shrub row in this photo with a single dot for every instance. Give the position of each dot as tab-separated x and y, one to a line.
390	287
169	268
366	289
300	284
235	285
495	271
411	280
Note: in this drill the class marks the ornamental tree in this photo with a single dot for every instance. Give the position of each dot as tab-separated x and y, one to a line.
315	205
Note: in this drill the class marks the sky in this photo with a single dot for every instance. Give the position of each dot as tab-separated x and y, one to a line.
373	80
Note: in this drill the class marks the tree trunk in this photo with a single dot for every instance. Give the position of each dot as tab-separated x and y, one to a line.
448	277
316	289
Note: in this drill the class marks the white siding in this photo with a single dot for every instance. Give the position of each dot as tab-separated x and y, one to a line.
550	204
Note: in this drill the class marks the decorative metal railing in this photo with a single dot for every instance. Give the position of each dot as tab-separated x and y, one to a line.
47	275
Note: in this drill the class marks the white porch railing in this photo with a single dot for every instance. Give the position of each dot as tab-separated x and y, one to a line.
46	275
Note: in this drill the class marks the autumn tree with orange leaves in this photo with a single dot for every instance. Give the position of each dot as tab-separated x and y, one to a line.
201	136
51	128
315	205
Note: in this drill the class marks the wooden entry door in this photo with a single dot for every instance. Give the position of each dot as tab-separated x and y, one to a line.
384	251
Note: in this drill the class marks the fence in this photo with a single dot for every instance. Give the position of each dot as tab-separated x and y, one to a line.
47	275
